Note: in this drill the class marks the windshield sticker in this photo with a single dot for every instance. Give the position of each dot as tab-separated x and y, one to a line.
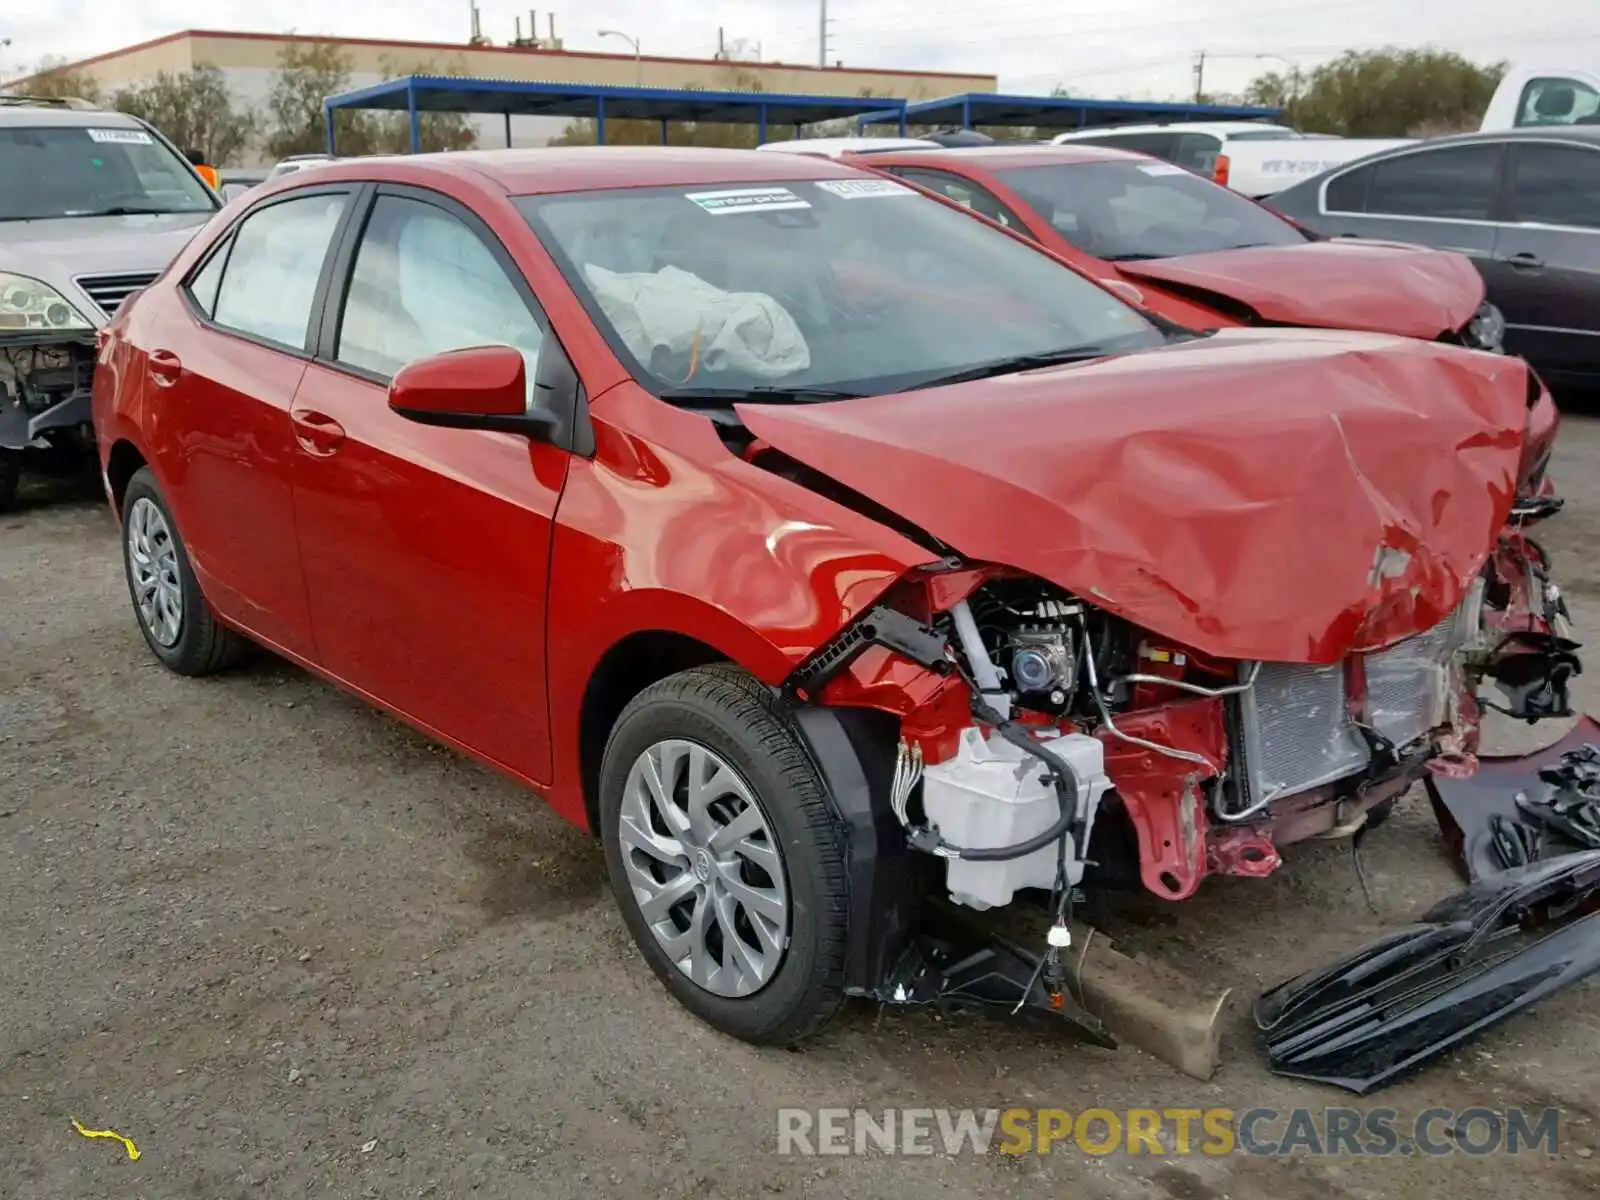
129	137
1162	168
862	189
754	199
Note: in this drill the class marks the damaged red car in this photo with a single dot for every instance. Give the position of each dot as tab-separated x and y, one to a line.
1198	253
855	571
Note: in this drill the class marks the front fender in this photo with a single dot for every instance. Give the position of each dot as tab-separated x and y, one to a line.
667	530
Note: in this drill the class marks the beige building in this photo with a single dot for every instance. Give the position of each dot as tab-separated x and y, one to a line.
249	61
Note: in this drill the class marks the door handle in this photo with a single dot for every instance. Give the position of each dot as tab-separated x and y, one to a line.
165	368
316	432
1525	260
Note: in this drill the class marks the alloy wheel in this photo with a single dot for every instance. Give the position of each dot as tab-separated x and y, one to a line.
704	867
153	571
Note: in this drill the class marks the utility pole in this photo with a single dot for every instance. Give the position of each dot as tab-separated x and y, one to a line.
822	33
1200	78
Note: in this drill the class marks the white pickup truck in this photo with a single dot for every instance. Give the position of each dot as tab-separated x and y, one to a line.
1541	94
1252	157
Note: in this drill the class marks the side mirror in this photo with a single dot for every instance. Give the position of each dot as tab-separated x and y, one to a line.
1124	290
485	387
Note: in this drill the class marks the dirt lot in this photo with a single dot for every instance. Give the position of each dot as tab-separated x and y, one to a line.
292	948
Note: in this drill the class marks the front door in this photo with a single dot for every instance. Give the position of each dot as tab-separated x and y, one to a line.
1546	273
426	550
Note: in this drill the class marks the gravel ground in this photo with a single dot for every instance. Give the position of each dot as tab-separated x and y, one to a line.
292	948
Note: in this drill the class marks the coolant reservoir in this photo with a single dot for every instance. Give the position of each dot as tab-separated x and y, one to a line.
991	794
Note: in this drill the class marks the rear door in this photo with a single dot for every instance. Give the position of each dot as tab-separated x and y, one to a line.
221	377
1546	272
426	550
1442	197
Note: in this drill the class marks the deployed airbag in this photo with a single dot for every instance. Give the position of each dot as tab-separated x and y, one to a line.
676	311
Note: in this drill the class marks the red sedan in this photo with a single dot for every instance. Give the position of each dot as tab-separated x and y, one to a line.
814	544
1202	255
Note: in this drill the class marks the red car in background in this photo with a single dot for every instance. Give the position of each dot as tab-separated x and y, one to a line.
1202	255
821	548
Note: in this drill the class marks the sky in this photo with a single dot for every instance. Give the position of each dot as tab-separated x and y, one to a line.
1134	48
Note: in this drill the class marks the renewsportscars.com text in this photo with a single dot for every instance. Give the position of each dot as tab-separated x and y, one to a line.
1167	1132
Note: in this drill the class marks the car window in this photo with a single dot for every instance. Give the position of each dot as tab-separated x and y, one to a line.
425	283
66	171
1161	145
1347	192
270	279
1127	210
203	286
1197	152
851	283
965	193
1456	182
1268	133
1556	101
1555	185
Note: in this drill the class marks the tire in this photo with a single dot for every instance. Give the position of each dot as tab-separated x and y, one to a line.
725	711
195	643
10	478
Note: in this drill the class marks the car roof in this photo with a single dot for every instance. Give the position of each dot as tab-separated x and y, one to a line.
35	116
1221	128
592	168
1564	133
830	146
1000	157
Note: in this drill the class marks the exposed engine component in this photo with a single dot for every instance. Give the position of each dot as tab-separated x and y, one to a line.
1030	632
40	377
993	794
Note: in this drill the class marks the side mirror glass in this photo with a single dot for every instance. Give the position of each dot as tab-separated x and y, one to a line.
485	387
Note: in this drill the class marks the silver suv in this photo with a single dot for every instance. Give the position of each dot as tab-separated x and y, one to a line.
93	205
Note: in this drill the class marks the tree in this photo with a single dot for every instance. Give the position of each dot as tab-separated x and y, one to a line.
390	132
52	78
309	72
194	110
1384	93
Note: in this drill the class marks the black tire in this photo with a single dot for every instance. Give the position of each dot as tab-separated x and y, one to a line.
727	711
10	478
204	645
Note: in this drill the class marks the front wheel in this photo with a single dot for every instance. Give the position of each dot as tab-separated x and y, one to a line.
720	846
177	622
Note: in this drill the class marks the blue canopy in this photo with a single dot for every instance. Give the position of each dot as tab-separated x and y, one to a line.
416	94
973	109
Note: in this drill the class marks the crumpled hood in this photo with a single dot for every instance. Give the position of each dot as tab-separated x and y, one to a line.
58	251
1384	287
1286	495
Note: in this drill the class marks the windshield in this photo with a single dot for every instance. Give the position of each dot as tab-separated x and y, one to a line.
62	171
1121	211
853	286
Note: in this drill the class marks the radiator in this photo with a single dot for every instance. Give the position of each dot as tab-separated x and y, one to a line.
1294	730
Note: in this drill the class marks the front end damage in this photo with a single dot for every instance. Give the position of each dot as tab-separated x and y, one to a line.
1015	745
45	418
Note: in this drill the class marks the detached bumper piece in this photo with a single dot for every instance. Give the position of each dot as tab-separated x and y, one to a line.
1490	951
1514	811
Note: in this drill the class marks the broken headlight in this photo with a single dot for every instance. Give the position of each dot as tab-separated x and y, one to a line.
28	304
1486	330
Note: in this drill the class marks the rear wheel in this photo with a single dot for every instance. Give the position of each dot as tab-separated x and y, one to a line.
719	843
177	622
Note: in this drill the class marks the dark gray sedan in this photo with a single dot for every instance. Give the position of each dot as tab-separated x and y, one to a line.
1524	204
